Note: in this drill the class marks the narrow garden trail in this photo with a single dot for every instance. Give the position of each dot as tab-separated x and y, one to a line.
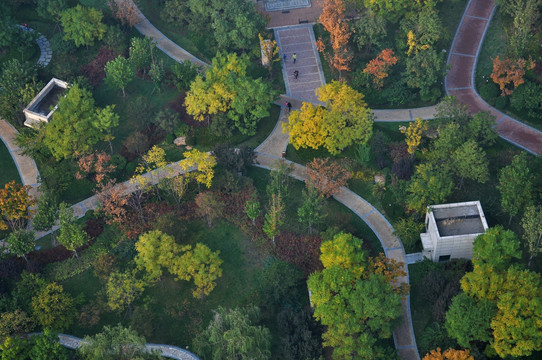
168	351
28	171
459	81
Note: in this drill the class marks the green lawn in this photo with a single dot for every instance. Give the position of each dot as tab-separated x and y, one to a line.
336	214
167	311
9	170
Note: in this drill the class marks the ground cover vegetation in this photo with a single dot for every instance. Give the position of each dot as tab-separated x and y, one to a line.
218	258
509	71
394	52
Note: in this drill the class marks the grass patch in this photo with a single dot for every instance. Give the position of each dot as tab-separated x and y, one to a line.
9	169
494	45
336	213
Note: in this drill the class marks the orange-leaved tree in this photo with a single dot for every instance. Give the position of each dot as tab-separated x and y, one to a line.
339	32
327	175
14	205
380	66
449	354
508	73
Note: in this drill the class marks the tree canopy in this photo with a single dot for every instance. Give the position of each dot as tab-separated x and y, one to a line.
346	119
82	25
356	303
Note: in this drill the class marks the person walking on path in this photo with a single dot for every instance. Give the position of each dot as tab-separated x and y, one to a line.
289	106
284	57
294	56
296	74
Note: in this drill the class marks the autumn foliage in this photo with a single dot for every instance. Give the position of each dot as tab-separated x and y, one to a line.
14	204
96	165
449	354
380	66
125	11
508	73
327	175
332	20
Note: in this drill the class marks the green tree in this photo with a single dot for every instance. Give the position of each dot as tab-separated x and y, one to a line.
141	53
450	137
227	89
252	209
53	308
26	289
155	251
157	73
18	81
15	323
184	73
515	186
424	69
470	162
122	289
369	30
496	247
235	24
14	348
21	242
46	213
54	8
105	120
47	347
119	73
310	212
480	128
467	320
82	25
356	304
233	334
430	185
532	230
114	343
274	217
71	234
71	131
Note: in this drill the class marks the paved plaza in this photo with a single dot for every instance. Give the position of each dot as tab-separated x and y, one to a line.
300	40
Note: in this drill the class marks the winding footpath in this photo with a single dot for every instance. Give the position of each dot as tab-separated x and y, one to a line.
459	82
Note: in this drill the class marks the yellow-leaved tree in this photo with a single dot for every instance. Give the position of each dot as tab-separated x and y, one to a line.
449	354
201	164
413	134
346	119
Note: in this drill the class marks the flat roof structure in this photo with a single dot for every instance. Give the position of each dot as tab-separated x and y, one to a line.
42	107
451	230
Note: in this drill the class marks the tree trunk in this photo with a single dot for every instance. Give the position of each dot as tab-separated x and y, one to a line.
510	220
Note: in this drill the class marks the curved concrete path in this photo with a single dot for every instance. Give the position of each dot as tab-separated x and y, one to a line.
403	334
459	81
168	351
171	49
28	171
46	53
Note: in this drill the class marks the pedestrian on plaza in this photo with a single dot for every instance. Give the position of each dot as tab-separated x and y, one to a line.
294	56
296	74
284	57
289	106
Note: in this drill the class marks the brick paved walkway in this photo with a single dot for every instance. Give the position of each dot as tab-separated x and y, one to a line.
459	81
300	40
